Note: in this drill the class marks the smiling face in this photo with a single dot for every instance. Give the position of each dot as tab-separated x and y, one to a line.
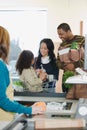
63	35
43	49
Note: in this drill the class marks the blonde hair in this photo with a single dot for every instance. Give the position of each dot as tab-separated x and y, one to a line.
4	43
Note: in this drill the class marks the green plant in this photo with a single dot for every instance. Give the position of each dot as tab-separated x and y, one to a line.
66	75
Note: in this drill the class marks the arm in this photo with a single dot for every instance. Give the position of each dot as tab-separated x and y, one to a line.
12	106
59	82
5	102
59	63
41	74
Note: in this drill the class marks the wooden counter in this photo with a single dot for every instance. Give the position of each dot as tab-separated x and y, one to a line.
43	123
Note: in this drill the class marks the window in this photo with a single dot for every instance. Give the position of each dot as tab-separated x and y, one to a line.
26	28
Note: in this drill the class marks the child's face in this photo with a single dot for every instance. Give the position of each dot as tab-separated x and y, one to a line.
43	49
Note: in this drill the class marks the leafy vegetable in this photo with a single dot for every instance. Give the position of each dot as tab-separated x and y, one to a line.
66	75
74	45
18	83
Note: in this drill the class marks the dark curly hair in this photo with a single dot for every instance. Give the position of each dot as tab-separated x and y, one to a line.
24	61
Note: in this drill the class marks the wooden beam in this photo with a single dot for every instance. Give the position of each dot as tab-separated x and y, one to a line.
81	28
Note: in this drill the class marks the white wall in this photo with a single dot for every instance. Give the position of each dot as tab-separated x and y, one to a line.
70	11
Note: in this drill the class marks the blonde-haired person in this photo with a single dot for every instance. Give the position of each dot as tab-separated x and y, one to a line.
5	103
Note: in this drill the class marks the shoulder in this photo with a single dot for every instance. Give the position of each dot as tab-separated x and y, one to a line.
2	64
79	37
25	73
63	45
28	71
4	72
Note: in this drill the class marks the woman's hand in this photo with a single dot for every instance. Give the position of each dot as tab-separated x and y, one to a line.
38	108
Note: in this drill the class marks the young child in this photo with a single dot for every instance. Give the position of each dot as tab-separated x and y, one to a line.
27	73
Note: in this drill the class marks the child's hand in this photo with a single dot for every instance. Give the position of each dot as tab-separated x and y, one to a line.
43	76
38	71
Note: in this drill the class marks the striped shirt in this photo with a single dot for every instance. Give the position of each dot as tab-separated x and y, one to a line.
67	44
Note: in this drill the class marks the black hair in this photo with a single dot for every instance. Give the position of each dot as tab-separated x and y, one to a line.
50	47
64	26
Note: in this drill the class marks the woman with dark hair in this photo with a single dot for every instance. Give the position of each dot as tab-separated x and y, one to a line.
46	59
27	73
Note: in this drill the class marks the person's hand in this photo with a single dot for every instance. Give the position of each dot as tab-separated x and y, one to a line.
43	76
38	71
75	55
38	108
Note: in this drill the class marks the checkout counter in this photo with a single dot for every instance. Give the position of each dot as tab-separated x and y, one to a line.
40	122
61	114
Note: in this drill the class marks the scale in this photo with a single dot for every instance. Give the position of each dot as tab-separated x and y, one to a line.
81	111
64	108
